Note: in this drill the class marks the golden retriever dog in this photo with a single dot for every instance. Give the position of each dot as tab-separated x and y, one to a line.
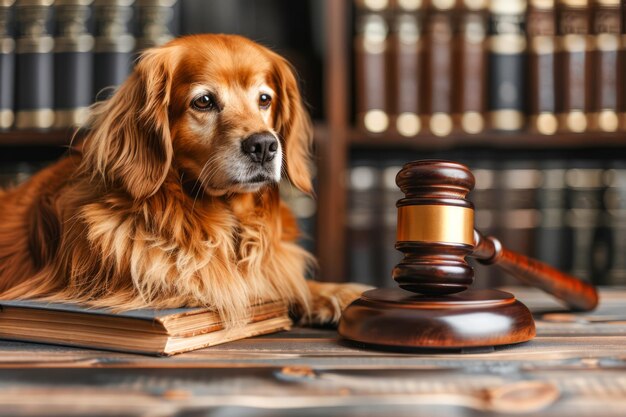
172	199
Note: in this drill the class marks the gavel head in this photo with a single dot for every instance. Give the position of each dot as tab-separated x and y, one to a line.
435	227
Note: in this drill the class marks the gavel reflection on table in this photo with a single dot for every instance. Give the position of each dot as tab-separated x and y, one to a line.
433	308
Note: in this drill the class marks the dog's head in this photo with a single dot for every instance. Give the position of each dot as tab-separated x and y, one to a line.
217	109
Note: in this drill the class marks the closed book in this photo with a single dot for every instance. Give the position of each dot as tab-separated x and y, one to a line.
155	21
542	76
391	193
574	44
363	222
304	208
439	55
34	95
114	45
7	64
553	240
615	202
621	80
585	217
471	67
406	62
155	332
486	202
517	218
73	63
507	64
371	72
605	29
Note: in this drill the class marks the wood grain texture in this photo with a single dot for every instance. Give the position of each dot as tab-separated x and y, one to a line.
575	366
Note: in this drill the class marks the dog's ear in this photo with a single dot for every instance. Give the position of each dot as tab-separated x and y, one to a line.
129	143
293	124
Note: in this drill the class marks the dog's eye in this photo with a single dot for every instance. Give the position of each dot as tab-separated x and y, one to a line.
204	102
264	101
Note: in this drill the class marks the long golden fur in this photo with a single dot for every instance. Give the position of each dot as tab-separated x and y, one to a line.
159	207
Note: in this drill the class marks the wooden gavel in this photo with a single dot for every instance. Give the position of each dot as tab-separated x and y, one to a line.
436	233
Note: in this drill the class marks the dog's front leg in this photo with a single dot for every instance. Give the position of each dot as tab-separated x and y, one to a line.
328	301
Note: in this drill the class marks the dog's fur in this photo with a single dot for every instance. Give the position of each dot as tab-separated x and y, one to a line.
160	207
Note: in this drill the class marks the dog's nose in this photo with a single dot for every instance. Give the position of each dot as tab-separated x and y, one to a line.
260	147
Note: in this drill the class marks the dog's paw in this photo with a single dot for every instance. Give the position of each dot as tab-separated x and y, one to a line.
328	301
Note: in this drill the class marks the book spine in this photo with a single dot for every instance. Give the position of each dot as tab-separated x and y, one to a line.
518	217
364	183
622	70
73	63
615	201
507	49
155	19
304	209
472	67
584	219
541	30
439	31
406	50
551	240
575	64
390	196
114	45
605	27
371	59
7	64
34	99
484	196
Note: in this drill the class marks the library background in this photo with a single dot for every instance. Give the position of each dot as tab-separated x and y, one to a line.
531	95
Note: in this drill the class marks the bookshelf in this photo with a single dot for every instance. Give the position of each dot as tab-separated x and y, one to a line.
336	137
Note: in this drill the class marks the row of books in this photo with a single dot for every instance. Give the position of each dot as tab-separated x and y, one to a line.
570	214
58	56
446	66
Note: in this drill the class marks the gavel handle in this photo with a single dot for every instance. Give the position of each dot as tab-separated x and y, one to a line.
578	295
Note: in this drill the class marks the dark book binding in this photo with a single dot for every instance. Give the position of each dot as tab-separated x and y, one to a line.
586	221
486	200
518	217
621	80
34	98
389	220
73	63
605	29
155	21
506	64
406	50
552	240
7	64
471	70
615	203
362	217
574	65
371	72
114	45
439	55
541	29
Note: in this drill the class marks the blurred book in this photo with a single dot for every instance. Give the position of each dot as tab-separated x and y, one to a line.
34	94
574	65
73	63
7	64
507	61
114	45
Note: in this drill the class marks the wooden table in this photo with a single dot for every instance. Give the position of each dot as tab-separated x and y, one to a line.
575	367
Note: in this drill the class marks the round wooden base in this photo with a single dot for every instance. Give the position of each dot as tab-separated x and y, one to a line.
402	319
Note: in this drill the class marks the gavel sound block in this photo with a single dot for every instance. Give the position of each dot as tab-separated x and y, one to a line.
433	307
